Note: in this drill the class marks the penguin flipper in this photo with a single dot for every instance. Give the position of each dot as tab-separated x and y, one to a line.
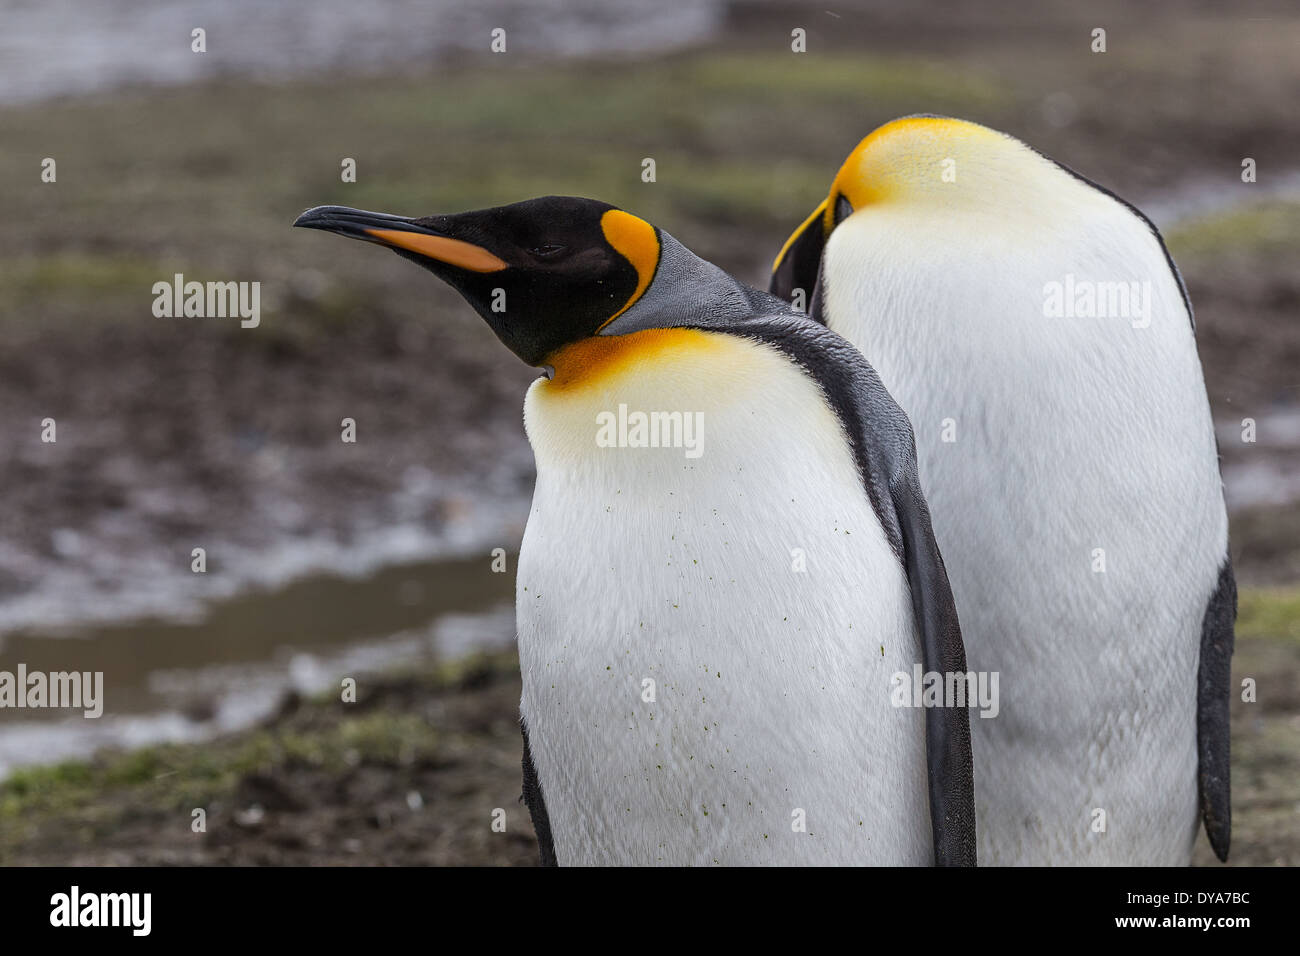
536	805
1213	691
947	729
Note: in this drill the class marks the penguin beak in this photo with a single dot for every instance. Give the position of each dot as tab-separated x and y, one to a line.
797	263
410	237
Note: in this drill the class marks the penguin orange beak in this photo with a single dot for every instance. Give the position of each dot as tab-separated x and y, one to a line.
401	233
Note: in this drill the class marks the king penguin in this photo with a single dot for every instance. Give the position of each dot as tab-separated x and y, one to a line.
708	630
1038	334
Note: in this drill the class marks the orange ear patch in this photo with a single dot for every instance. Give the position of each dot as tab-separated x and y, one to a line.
464	255
636	241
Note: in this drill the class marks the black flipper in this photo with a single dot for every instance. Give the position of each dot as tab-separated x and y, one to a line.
1213	692
947	729
536	805
885	451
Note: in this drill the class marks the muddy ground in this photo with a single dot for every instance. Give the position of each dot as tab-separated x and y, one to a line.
409	774
414	771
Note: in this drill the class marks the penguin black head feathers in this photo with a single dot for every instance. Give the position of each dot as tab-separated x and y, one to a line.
543	273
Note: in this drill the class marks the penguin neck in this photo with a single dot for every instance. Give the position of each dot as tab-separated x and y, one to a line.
688	298
692	292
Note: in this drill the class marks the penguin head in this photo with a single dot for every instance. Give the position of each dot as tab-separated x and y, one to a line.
543	273
914	163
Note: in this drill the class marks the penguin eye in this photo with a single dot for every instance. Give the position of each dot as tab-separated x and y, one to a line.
547	250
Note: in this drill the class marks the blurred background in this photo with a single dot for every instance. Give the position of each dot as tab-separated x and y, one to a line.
373	560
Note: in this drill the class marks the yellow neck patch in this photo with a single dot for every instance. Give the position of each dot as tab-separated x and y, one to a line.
464	255
601	358
637	242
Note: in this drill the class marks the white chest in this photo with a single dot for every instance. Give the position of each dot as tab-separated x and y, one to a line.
707	643
1071	474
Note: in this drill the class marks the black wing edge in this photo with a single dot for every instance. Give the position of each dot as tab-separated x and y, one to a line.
885	450
1213	693
536	805
947	729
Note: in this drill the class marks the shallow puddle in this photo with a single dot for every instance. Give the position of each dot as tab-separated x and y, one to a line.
185	681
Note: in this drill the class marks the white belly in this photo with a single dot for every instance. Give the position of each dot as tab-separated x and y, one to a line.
770	737
1072	437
